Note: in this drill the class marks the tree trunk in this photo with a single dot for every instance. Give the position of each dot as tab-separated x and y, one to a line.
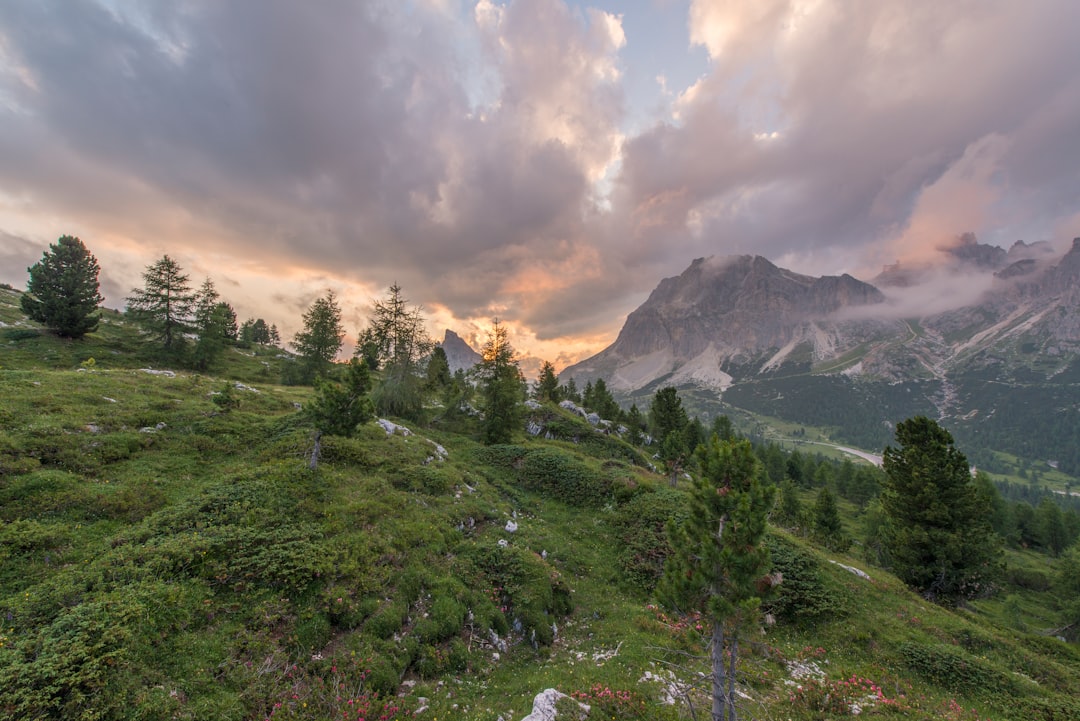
731	676
719	703
313	464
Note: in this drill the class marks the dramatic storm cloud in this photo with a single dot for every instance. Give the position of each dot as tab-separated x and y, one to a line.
544	161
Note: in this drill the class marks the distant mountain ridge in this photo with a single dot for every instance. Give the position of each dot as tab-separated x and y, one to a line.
974	335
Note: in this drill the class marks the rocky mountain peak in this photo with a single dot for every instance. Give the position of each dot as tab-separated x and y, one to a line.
720	308
459	354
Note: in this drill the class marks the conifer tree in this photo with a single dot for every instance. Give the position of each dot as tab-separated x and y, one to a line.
62	292
502	386
165	302
397	330
827	527
438	370
719	563
790	511
937	535
321	337
668	420
635	423
340	408
547	385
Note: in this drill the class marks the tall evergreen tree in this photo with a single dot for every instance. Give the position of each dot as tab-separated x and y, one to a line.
62	292
213	332
723	428
635	424
438	370
502	386
165	302
937	536
720	562
320	339
827	527
790	512
547	385
397	329
205	300
667	415
668	420
598	398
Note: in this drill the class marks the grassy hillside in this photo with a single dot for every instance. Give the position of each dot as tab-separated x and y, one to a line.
163	559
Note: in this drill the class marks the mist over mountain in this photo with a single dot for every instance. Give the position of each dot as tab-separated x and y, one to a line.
980	337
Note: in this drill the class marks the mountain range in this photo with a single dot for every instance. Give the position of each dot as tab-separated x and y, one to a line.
983	339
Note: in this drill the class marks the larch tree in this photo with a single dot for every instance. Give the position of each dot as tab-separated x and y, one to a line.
165	302
937	536
320	339
401	344
62	292
501	385
719	565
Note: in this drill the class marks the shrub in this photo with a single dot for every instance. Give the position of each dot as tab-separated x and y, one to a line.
529	589
641	527
18	334
953	669
804	594
565	478
1029	579
387	620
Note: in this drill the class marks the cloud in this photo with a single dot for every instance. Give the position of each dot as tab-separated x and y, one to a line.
875	114
477	153
345	140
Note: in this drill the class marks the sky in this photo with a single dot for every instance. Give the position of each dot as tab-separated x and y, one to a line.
546	162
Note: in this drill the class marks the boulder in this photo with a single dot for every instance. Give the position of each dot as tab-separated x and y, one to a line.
545	707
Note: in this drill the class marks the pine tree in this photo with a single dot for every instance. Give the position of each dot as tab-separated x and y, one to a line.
502	386
668	420
164	303
62	293
937	536
338	409
790	512
723	428
827	527
320	339
719	562
667	415
213	334
438	370
397	330
635	424
547	385
205	300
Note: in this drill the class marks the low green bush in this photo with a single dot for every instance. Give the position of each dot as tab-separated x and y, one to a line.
640	524
951	668
805	594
